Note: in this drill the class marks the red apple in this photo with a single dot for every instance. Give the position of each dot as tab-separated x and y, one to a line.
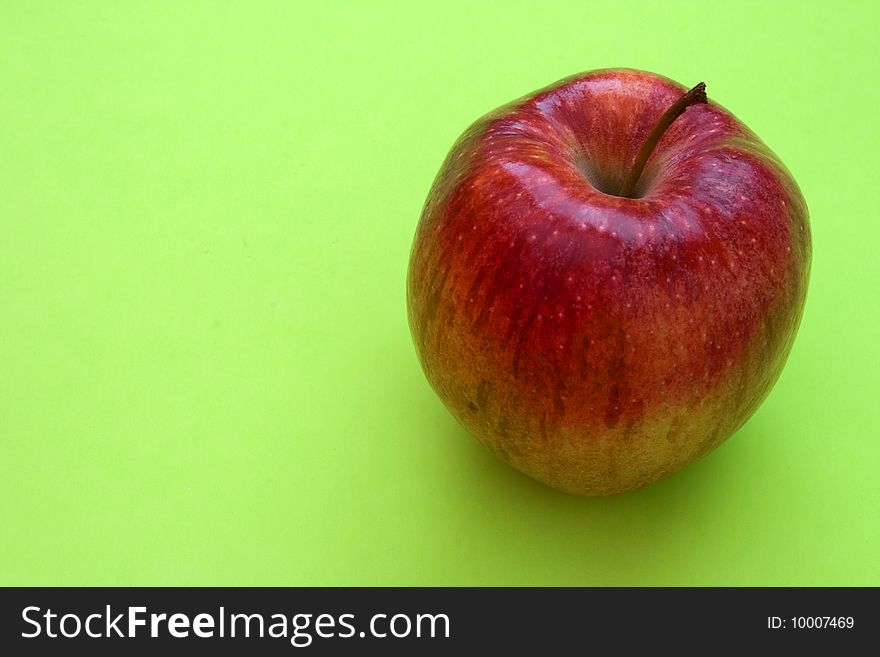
596	325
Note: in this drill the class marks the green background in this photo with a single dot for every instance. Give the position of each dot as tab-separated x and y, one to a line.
206	374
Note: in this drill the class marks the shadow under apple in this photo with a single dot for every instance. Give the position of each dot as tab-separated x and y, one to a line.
485	523
628	539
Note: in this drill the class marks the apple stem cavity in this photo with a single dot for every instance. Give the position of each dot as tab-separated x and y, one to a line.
692	97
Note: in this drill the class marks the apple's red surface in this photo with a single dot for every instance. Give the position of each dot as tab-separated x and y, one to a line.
598	342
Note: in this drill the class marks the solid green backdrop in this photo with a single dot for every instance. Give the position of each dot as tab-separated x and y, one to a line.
206	374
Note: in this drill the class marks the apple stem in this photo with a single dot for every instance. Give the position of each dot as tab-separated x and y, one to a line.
692	97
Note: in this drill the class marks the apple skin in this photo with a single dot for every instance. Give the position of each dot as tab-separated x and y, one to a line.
594	342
